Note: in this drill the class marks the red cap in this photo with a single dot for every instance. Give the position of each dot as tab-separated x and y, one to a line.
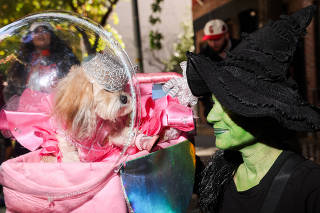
214	29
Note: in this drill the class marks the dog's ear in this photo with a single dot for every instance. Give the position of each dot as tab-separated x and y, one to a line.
74	105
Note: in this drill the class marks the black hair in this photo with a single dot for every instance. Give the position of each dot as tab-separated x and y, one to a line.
57	46
218	172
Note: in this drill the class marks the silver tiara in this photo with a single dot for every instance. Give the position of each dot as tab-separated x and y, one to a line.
107	71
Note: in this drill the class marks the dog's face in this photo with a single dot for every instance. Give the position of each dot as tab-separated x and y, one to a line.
78	103
111	105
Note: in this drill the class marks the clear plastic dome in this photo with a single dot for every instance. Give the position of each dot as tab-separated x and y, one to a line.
68	89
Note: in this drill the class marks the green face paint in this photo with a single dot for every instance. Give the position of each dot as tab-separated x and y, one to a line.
257	157
228	134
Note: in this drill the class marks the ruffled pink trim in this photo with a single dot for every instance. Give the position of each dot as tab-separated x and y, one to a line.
33	125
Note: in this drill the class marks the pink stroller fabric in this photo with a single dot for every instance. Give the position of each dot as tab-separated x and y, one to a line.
34	186
70	187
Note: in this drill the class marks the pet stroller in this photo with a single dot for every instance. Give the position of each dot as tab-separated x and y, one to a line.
161	181
138	180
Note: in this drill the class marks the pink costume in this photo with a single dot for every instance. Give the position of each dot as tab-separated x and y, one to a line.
92	185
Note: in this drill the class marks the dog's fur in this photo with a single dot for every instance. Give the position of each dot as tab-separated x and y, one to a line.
79	104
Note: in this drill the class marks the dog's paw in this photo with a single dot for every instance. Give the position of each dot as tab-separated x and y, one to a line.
144	142
48	159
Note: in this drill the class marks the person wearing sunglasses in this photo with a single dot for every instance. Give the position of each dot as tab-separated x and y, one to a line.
43	58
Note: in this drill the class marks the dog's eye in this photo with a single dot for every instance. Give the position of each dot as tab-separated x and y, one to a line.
123	99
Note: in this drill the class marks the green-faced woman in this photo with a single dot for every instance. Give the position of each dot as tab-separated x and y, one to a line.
256	114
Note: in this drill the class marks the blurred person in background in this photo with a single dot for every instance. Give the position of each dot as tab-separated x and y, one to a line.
42	60
217	41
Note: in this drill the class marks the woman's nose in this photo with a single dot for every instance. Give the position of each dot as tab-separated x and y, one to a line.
215	113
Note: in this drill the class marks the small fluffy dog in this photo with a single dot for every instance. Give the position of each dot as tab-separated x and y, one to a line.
89	94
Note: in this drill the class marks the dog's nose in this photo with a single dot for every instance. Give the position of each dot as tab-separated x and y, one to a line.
123	99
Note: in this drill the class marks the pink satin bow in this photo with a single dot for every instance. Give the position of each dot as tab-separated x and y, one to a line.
164	112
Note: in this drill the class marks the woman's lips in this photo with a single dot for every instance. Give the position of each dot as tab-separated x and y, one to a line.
218	131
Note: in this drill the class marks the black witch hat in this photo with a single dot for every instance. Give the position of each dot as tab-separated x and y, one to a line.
253	80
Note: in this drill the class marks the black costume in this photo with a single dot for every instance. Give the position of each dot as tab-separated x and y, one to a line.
296	198
254	86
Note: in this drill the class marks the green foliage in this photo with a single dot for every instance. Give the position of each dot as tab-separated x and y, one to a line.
97	10
15	9
155	37
155	40
155	6
185	43
8	53
154	20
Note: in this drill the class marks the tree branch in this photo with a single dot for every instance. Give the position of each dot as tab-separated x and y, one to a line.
72	6
90	50
104	19
106	16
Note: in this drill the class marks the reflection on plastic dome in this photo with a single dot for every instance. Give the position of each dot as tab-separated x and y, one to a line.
45	56
77	79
